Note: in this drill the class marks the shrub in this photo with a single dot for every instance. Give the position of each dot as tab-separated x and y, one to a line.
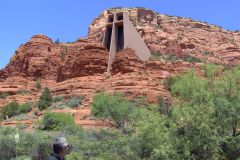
21	91
45	99
113	107
10	110
164	107
156	56
4	95
74	156
57	99
4	131
57	41
7	147
63	52
14	109
38	84
23	158
72	130
191	59
169	81
25	144
74	102
55	121
25	108
21	126
208	53
42	147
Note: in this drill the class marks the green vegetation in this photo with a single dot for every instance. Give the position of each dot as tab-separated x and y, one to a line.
173	57
4	95
57	99
45	99
203	123
208	53
38	84
61	103
54	121
74	102
22	92
25	108
113	107
63	52
14	109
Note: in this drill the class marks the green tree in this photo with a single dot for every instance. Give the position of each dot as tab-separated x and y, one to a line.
152	139
113	107
45	99
55	121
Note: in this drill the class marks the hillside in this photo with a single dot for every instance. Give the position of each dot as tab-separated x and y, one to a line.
79	68
182	103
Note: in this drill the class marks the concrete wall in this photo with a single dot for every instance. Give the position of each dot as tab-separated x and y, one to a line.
132	39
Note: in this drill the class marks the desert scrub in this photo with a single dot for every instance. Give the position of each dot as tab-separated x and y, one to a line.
75	102
4	95
38	84
45	99
63	52
57	99
23	92
14	109
55	121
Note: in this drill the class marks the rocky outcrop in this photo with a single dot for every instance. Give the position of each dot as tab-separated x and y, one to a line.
175	35
40	58
127	61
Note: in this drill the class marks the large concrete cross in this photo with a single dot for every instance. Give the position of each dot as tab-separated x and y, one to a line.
120	34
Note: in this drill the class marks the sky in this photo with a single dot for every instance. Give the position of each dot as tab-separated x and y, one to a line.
68	20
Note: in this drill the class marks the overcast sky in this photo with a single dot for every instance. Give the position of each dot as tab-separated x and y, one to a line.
69	19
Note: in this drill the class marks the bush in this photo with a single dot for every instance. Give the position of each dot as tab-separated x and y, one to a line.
72	130
74	156
14	109
10	110
37	145
74	102
45	99
169	81
22	92
191	59
7	147
38	84
55	121
25	108
23	158
63	52
26	143
57	99
42	147
113	107
4	95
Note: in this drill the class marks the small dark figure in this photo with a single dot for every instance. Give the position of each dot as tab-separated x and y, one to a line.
60	149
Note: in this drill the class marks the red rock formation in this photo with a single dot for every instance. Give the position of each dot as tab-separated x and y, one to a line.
127	61
40	58
176	35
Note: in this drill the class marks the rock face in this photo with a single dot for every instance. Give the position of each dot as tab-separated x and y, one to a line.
175	35
40	58
126	61
79	68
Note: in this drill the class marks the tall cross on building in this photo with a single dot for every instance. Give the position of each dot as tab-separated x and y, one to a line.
120	33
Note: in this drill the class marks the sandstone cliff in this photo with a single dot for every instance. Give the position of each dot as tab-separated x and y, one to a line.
175	35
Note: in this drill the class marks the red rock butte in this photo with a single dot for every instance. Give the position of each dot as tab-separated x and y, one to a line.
80	68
